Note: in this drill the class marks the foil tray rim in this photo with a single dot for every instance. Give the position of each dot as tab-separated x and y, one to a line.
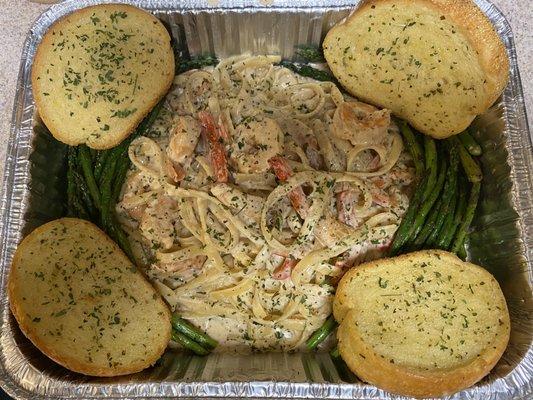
11	222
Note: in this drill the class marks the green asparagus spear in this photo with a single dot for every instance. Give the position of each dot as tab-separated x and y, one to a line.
82	191
76	208
429	226
458	215
121	238
467	219
310	72
122	170
310	53
427	204
188	343
461	253
107	216
470	166
447	193
430	149
94	154
414	148
470	143
71	184
79	210
344	372
99	164
448	222
321	333
189	330
105	189
84	158
433	236
403	232
418	240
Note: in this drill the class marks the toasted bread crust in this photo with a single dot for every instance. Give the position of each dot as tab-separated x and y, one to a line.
372	368
397	376
48	100
471	23
491	51
72	359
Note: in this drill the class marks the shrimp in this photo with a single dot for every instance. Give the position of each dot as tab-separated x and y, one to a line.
329	230
256	140
137	212
184	136
383	188
326	230
366	251
283	271
157	222
297	197
346	200
349	199
215	134
174	172
360	123
194	263
283	171
397	176
303	137
136	183
247	205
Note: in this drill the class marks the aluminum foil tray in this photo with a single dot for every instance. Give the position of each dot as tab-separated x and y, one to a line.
33	193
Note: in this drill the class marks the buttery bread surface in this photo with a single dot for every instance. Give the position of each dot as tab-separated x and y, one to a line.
99	71
435	63
422	324
80	300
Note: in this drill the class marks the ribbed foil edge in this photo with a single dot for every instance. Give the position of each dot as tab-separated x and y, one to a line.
25	382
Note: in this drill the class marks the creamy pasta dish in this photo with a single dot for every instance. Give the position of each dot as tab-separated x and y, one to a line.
255	191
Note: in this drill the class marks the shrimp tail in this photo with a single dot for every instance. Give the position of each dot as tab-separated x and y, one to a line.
215	135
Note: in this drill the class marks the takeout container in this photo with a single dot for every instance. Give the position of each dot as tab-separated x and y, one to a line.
34	191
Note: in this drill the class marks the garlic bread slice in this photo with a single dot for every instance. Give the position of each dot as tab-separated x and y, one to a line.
435	63
99	71
80	300
422	324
